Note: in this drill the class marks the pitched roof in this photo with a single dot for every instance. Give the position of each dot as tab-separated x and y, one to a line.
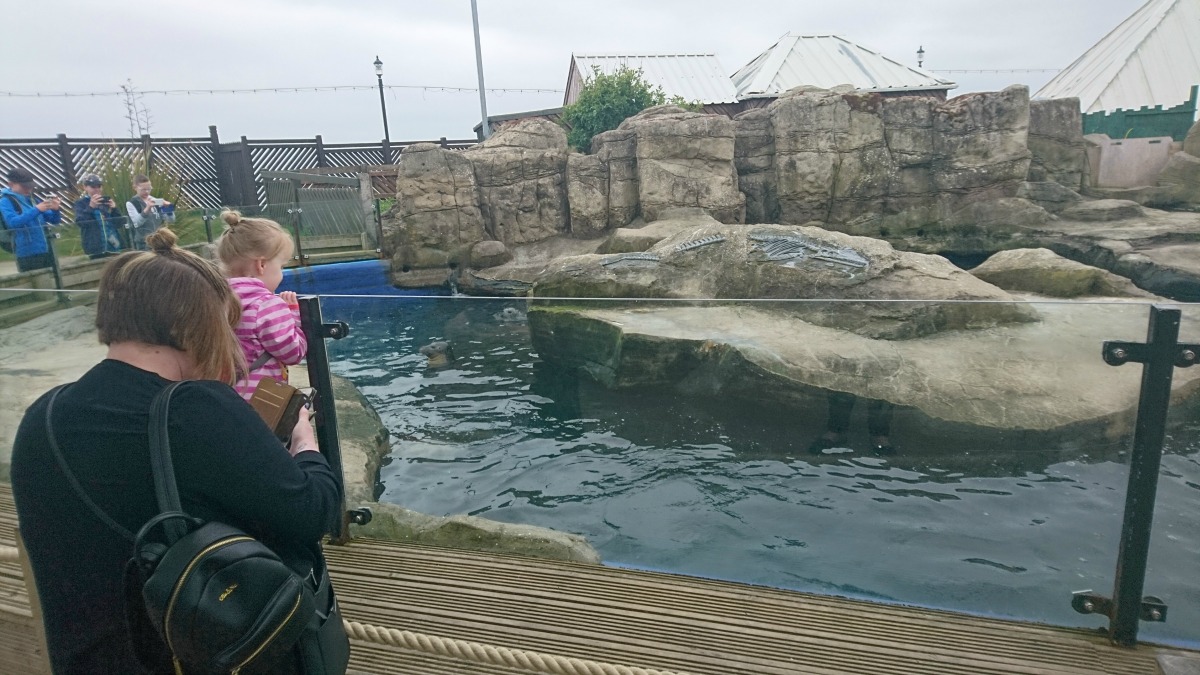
1152	58
695	77
828	61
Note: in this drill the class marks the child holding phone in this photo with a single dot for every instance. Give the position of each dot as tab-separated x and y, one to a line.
253	252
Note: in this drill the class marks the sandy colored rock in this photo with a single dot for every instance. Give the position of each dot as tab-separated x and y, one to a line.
587	193
705	259
1043	380
436	217
1042	271
520	174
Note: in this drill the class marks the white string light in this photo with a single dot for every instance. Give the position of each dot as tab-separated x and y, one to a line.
271	90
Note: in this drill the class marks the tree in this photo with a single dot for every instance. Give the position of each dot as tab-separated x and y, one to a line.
605	101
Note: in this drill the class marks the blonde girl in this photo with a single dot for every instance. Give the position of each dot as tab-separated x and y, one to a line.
253	252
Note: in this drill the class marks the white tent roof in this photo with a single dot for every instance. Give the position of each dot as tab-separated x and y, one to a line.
695	77
828	61
1152	58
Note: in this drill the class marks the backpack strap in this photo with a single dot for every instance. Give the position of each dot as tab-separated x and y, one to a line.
259	362
16	205
165	487
62	464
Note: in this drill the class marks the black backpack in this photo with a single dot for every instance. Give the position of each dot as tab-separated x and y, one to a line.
6	236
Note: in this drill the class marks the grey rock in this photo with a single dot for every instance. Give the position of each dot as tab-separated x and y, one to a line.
1179	183
1104	210
1056	142
1191	142
489	253
1049	195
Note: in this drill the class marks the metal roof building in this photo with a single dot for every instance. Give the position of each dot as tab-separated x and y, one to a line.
828	61
695	77
1152	58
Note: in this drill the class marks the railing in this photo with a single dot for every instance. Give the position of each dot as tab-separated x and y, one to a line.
209	172
981	467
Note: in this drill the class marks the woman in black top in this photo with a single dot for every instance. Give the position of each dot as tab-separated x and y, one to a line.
166	315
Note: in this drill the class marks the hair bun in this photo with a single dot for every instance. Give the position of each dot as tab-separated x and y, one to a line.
231	217
162	240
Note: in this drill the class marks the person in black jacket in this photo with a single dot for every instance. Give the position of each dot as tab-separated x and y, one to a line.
99	220
166	315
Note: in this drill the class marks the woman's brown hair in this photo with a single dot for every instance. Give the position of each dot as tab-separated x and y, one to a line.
171	297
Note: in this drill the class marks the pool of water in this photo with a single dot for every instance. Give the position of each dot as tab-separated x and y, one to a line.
722	489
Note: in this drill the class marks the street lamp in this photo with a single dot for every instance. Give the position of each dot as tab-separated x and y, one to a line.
387	138
920	57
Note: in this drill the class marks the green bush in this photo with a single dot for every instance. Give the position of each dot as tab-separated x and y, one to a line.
605	101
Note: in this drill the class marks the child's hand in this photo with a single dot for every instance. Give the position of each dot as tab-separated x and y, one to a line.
290	298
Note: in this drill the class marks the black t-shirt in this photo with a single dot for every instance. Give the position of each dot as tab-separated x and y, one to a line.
228	465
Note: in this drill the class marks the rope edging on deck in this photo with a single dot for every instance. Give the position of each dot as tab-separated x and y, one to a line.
491	655
462	650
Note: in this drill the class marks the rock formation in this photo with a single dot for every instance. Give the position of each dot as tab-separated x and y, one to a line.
1042	271
1056	143
696	257
896	168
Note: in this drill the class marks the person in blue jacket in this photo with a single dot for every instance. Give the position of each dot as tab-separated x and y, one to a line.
98	219
27	217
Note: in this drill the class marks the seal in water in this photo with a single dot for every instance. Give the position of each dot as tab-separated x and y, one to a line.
439	354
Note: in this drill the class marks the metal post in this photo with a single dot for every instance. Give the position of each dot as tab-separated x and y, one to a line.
1159	356
296	212
1157	370
387	137
316	331
208	225
55	268
487	131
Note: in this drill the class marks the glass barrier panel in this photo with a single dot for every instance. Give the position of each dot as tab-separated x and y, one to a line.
965	456
957	455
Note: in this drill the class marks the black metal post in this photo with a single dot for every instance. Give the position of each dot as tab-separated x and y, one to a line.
378	227
296	212
208	225
1161	352
55	268
387	137
317	331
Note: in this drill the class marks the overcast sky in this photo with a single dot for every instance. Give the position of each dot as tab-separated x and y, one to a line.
77	46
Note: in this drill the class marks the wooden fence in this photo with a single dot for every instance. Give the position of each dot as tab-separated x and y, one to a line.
210	173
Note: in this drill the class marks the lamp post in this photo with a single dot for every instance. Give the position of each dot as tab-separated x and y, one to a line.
920	57
487	128
387	138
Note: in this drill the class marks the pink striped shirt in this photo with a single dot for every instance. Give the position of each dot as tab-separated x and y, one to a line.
267	325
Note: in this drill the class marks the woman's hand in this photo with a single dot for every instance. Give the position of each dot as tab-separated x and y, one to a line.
303	436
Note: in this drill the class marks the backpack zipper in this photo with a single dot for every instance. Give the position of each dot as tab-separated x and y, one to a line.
179	587
288	618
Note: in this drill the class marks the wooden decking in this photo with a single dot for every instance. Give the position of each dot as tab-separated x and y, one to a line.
641	619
